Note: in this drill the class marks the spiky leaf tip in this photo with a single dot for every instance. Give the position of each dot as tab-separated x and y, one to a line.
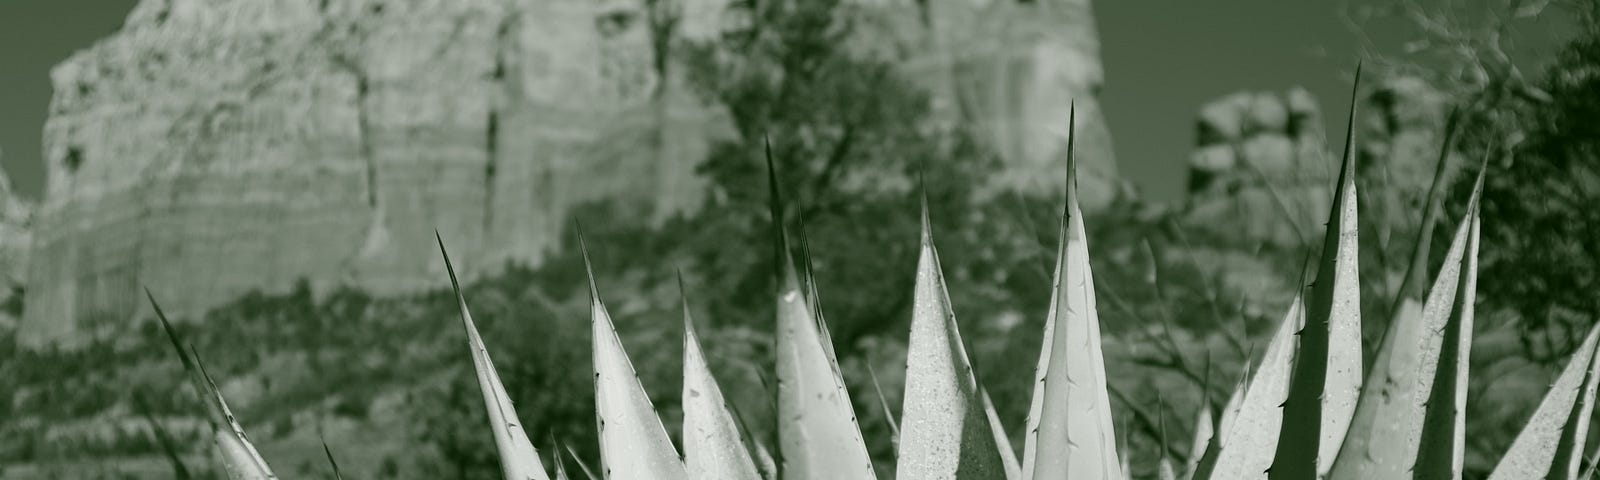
1327	373
1441	444
633	442
712	444
1244	445
1070	432
817	432
518	458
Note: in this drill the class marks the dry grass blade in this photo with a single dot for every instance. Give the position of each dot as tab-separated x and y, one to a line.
1534	452
712	445
633	442
1072	435
817	432
518	459
239	456
1327	372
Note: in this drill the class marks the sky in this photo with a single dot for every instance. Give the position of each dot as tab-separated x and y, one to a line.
1163	60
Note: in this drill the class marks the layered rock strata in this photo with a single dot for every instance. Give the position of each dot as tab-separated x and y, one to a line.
214	147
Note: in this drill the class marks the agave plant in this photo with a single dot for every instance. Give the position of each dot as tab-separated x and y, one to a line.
1299	411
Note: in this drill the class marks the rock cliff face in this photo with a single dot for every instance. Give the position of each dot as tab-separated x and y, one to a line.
1013	69
213	147
15	239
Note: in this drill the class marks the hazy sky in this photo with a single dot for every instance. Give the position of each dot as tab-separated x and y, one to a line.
1163	59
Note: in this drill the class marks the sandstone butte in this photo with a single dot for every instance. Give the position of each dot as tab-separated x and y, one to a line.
214	147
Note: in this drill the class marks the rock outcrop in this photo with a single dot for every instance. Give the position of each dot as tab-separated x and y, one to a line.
1401	128
1013	70
214	147
1262	171
15	239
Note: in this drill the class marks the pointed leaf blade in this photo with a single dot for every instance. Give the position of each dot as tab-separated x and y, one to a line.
1245	444
1204	425
1387	430
1535	450
1075	437
947	432
240	458
518	459
817	432
633	442
712	444
1441	444
1008	455
1327	372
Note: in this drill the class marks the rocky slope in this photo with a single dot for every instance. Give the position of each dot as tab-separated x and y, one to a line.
214	147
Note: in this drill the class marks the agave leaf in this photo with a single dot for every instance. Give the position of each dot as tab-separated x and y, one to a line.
331	462
518	459
1569	452
768	466
1441	444
1327	374
239	456
561	467
1545	437
1593	469
1071	434
1164	470
1386	433
883	402
1204	425
1230	411
169	448
1127	453
947	432
633	442
817	432
587	472
1008	455
1244	444
712	445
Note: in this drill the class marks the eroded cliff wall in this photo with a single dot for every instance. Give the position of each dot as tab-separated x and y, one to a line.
214	147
